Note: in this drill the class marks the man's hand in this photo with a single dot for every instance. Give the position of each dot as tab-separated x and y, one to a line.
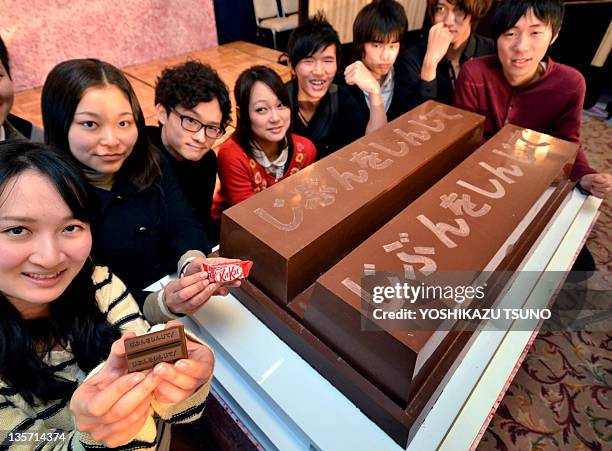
358	74
599	185
438	42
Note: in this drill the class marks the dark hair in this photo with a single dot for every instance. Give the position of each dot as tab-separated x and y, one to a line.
242	94
4	57
476	9
189	84
379	21
313	35
508	13
75	319
61	94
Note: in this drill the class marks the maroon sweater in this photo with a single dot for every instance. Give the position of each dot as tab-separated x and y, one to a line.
551	105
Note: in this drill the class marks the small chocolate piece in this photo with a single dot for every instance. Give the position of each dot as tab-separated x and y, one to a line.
146	351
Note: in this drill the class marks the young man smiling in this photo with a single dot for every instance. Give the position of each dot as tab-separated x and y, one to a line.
522	86
322	111
193	108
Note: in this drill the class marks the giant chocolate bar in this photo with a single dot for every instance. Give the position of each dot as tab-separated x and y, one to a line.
298	228
473	219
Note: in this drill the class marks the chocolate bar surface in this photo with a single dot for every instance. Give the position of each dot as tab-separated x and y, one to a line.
145	351
297	229
467	222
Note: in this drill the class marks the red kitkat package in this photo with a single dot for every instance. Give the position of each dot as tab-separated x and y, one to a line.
227	272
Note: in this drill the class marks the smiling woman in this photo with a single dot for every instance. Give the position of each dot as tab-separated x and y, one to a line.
145	227
261	152
61	317
43	243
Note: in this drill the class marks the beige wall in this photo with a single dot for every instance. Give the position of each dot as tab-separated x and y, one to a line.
41	33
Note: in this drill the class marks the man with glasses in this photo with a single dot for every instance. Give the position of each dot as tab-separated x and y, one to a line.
429	69
193	109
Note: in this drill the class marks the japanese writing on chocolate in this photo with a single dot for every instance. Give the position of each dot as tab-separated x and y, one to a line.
155	358
463	210
316	194
146	351
152	339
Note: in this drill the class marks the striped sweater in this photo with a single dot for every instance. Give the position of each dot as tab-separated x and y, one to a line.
51	426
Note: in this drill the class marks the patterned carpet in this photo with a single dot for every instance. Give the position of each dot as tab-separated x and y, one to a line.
560	398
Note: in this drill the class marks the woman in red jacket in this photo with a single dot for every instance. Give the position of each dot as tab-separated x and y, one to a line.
261	151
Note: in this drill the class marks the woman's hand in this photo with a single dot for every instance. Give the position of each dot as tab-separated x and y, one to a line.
180	380
113	405
186	295
599	185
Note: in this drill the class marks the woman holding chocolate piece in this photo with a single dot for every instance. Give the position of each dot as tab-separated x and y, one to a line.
261	151
63	372
145	228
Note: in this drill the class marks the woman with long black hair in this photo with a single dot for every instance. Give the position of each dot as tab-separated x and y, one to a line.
145	228
62	317
261	151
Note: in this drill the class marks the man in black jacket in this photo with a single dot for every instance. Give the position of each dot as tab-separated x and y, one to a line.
193	108
12	126
429	69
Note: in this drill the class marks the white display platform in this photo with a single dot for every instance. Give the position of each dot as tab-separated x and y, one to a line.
288	405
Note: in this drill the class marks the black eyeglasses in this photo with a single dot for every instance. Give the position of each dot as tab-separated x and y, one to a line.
193	125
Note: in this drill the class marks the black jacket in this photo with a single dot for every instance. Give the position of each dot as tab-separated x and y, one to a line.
196	179
16	127
142	235
413	91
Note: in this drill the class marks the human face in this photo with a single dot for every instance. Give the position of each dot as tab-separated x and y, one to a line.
316	73
42	246
181	143
103	131
455	20
270	118
6	94
379	57
522	47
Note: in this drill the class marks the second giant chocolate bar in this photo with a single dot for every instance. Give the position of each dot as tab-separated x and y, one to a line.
469	221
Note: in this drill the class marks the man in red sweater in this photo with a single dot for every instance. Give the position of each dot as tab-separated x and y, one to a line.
522	86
